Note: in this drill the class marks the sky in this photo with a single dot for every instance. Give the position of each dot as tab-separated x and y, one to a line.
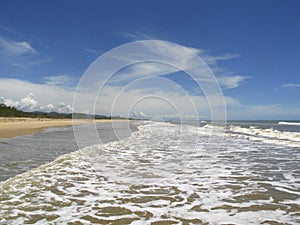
251	47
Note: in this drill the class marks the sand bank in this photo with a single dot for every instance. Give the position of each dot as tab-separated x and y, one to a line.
12	126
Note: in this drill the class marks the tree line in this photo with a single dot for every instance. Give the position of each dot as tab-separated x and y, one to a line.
9	111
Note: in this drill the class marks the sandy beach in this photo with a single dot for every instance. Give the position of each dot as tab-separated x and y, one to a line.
12	126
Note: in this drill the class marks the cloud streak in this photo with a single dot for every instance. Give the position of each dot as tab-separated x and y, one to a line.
229	82
291	85
91	51
16	48
60	80
10	30
19	55
213	60
183	61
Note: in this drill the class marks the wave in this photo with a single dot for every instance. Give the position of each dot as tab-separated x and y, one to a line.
267	135
289	123
235	187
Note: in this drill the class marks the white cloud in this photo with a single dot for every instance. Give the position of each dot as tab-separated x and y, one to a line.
140	70
213	60
136	114
153	101
91	51
19	54
30	104
62	108
144	98
134	36
183	61
229	82
44	94
183	58
10	30
167	103
290	85
15	48
7	29
61	80
163	99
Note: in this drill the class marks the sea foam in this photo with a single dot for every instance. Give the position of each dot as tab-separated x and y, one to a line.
162	173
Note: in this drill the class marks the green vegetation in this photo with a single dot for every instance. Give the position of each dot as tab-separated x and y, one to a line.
7	111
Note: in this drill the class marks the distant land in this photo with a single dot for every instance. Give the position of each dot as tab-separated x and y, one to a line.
8	111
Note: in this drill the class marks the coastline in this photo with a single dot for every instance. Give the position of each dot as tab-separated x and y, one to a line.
18	126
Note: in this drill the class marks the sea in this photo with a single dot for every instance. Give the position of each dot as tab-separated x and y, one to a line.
154	172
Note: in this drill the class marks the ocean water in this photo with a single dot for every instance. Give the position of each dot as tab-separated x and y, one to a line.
165	173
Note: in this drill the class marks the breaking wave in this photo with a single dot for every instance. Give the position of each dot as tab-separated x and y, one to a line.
164	174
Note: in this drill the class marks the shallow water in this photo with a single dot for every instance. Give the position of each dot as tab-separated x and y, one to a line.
20	154
165	174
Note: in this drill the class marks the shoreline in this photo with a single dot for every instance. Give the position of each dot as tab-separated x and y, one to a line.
11	127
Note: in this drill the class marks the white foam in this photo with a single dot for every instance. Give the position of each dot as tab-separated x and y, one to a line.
266	135
289	123
158	174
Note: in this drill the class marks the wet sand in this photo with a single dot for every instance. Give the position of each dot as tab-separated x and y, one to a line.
14	126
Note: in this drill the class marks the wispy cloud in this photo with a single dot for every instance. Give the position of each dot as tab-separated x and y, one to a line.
60	80
184	60
16	48
291	85
91	51
150	61
160	97
20	54
29	62
135	36
10	30
229	82
140	70
213	60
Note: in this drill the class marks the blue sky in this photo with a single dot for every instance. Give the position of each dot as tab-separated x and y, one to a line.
253	48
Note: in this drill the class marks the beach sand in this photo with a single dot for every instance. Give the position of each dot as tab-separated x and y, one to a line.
17	126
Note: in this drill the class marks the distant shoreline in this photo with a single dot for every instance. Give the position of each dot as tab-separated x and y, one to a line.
18	126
